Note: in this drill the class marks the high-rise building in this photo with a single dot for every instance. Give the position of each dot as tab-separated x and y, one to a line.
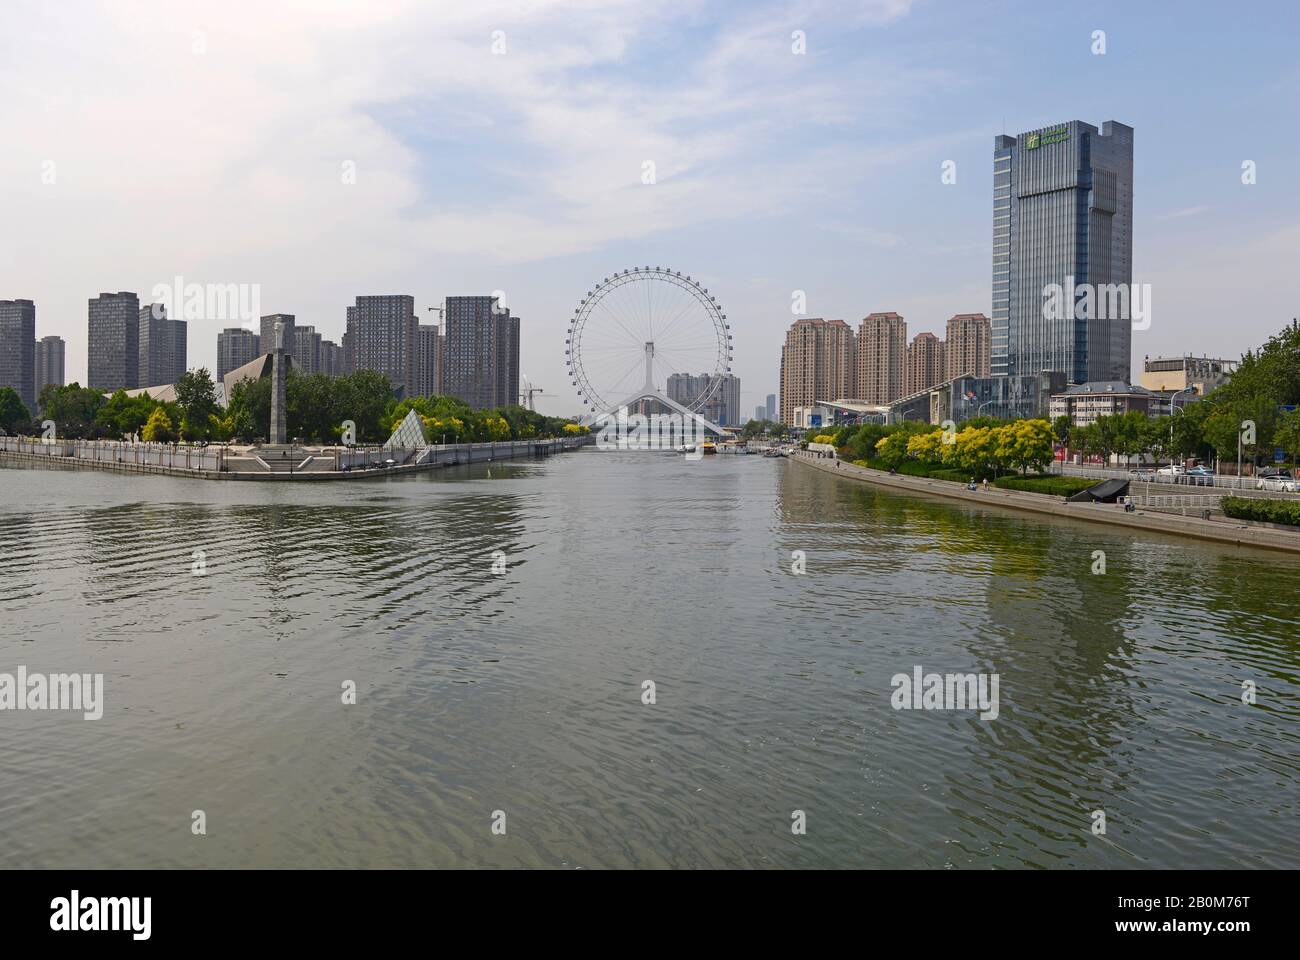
236	347
50	354
816	364
760	413
332	359
507	359
113	342
1063	215
305	348
723	404
162	347
428	360
18	349
266	338
925	363
967	346
381	337
480	356
881	351
771	406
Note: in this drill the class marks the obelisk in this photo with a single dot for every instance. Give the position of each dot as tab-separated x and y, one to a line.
277	387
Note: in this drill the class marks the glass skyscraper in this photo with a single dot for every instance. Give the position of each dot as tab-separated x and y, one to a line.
1063	214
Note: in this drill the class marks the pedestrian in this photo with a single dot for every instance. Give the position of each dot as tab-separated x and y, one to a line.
986	484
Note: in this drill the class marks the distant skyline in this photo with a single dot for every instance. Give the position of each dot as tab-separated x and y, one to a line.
154	140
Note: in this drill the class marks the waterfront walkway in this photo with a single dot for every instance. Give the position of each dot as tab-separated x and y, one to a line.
220	463
1222	530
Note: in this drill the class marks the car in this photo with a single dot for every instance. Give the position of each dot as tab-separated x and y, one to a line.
1199	477
1271	474
1173	470
1277	484
1142	473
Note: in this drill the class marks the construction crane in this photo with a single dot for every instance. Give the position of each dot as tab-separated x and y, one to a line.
526	395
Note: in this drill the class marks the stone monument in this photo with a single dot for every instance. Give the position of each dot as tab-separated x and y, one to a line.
278	373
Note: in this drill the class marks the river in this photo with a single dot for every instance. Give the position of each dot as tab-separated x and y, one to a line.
499	623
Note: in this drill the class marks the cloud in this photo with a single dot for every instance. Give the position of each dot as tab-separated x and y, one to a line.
208	141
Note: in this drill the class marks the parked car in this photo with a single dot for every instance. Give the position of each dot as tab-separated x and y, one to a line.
1142	473
1173	470
1199	477
1273	473
1277	484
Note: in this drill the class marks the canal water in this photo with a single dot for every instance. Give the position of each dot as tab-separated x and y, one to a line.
500	622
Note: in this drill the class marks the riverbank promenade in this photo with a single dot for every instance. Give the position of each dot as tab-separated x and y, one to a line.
274	464
1219	529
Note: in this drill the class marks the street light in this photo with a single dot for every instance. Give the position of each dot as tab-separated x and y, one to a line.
1173	410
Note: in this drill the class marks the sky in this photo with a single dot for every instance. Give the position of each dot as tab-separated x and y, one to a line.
321	150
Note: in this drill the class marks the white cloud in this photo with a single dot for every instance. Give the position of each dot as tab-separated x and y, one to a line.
207	139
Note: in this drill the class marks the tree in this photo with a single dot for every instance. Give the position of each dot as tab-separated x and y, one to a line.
12	410
73	409
158	429
862	444
1061	427
976	450
927	447
1024	444
1130	432
1287	434
123	415
249	409
893	449
196	394
1155	437
311	407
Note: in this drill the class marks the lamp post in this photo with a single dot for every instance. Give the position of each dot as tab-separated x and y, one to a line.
1173	410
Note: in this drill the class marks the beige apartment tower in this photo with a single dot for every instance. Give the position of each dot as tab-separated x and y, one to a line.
816	364
881	367
968	350
925	363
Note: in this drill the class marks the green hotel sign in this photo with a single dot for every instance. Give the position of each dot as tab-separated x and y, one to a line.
1035	140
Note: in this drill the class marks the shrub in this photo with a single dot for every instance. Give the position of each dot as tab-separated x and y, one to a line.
1047	483
1262	509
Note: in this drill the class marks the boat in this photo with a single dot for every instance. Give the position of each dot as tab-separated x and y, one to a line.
708	447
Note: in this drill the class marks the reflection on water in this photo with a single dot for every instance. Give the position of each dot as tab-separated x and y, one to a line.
522	691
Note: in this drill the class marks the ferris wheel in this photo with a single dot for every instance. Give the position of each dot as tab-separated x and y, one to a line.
636	328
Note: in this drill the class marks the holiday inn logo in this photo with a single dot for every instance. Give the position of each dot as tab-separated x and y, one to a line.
1041	139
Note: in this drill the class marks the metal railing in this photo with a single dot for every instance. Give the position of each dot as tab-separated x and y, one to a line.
1177	501
178	456
1246	485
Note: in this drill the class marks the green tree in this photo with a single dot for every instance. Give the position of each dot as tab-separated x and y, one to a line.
13	412
1287	434
249	409
123	415
73	409
196	394
1061	427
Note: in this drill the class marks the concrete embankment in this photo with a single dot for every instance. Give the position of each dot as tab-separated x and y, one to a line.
1224	530
73	455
